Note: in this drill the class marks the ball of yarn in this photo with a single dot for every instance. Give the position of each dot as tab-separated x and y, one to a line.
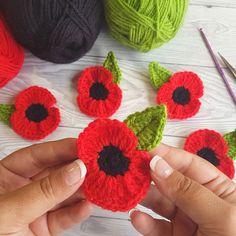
11	55
144	24
59	31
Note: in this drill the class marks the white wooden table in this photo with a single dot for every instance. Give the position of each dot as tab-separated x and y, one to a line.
185	52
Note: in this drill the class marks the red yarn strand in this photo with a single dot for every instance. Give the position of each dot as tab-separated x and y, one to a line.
11	55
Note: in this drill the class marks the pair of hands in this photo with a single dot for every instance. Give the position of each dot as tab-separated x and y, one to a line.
40	195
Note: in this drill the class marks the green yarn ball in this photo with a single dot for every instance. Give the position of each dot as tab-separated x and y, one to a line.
144	24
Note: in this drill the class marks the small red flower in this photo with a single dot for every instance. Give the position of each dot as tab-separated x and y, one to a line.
181	95
211	146
35	117
117	174
98	96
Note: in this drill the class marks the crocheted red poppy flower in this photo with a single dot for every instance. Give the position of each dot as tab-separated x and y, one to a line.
211	146
117	174
181	95
35	117
98	96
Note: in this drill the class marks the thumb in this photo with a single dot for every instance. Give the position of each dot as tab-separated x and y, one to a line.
33	200
196	201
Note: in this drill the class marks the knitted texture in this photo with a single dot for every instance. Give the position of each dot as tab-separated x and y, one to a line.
180	94
158	75
55	30
118	175
230	139
11	55
144	25
99	93
35	116
112	65
148	126
211	146
6	112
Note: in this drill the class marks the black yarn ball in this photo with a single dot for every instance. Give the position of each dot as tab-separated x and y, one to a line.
59	31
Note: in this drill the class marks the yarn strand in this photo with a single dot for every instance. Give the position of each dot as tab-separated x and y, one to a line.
144	24
58	31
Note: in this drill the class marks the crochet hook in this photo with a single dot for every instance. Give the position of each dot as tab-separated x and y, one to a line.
217	64
229	66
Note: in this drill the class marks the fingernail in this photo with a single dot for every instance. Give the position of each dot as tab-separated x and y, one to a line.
75	172
132	211
160	167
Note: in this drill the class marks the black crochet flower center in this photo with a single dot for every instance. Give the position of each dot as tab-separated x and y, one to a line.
181	96
98	91
112	161
209	155
36	113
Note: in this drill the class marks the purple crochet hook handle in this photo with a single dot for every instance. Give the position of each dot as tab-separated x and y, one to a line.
218	67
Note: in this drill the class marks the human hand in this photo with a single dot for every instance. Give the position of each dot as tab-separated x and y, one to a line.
191	193
39	190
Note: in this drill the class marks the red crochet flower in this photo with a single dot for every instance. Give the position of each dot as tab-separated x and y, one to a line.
98	96
211	146
117	174
181	95
35	117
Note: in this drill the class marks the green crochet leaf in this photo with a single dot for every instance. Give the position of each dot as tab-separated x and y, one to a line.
230	138
158	75
6	112
111	64
148	126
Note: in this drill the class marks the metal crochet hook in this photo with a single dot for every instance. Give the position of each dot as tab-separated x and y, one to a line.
230	67
218	67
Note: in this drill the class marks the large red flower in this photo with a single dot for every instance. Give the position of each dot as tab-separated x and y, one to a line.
211	146
98	96
181	95
117	174
35	117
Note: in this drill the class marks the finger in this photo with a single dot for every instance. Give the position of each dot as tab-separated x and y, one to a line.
200	204
29	161
28	203
67	217
47	171
148	226
158	203
199	170
76	197
187	163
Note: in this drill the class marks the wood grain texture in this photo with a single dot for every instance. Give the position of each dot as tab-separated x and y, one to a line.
218	3
185	52
219	25
103	226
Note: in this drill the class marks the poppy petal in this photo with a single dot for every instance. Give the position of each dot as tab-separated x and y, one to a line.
34	95
164	94
213	141
227	167
32	130
190	81
92	75
184	111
